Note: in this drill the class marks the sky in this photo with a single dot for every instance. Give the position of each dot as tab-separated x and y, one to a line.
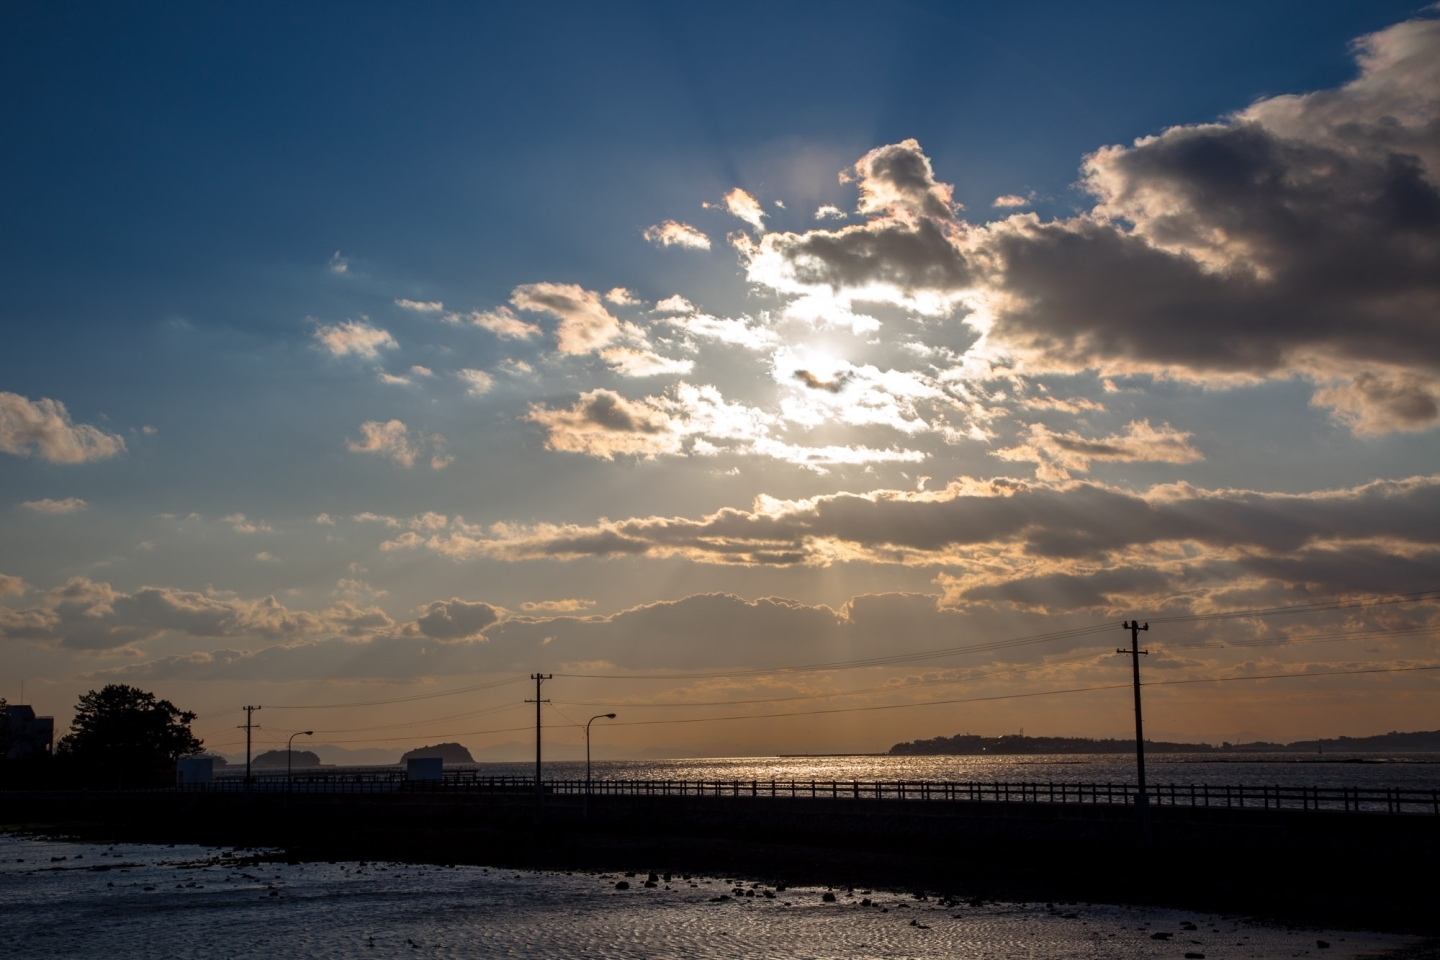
782	377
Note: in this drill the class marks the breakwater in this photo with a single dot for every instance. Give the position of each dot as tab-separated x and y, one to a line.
1286	859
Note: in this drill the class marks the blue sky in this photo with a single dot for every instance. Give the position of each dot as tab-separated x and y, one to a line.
409	271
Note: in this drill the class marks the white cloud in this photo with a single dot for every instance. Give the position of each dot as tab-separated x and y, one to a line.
43	428
421	306
325	519
632	362
355	337
747	208
501	321
392	380
675	304
420	371
478	382
672	233
264	556
48	506
585	324
392	439
11	586
830	212
738	331
1011	200
621	297
339	264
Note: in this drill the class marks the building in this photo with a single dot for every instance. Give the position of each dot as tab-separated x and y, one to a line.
26	735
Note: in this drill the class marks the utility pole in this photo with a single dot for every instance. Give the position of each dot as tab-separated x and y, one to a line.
1142	799
249	714
539	678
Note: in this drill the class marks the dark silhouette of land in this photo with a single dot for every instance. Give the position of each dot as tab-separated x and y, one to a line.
967	744
277	758
449	752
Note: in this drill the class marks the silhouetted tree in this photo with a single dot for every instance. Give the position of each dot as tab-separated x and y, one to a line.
124	735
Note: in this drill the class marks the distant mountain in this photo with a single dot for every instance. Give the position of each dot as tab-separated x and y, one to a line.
449	752
276	758
967	744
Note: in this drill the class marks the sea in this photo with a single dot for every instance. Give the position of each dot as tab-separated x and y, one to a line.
60	898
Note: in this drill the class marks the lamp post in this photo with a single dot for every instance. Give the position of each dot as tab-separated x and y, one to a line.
607	716
290	756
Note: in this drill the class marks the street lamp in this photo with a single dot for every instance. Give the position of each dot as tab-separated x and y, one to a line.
607	716
290	756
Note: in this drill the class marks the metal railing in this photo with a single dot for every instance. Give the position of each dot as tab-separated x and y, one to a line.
1390	800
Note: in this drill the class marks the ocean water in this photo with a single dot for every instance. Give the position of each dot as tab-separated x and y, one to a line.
1409	771
61	899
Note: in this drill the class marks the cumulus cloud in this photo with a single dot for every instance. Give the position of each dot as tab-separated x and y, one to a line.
740	204
11	586
602	423
739	331
830	212
54	507
672	233
43	428
1056	454
355	337
585	324
501	321
478	382
239	524
456	619
675	305
392	439
897	180
621	297
1011	200
421	306
87	615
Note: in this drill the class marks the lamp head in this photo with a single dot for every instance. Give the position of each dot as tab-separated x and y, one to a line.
610	716
309	733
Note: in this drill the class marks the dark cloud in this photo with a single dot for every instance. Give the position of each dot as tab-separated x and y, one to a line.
456	619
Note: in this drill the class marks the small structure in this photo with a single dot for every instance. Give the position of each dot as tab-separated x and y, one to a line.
425	768
26	735
194	770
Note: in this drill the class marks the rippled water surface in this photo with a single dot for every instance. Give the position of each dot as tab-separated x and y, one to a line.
60	899
1410	771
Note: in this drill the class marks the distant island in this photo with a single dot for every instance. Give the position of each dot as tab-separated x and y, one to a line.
967	744
448	752
276	758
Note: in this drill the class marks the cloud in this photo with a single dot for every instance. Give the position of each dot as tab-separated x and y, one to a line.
632	362
478	382
239	524
11	586
43	428
87	615
456	619
898	180
265	556
1070	544
391	379
672	233
1056	454
747	208
339	265
324	519
420	371
421	306
355	337
621	297
830	212
568	605
1300	236
53	507
585	324
392	439
501	322
603	424
1011	200
675	305
739	331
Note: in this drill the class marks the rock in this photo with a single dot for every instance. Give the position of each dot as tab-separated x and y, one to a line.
1187	925
651	884
770	894
1194	956
828	897
866	902
1162	935
622	885
1323	944
654	878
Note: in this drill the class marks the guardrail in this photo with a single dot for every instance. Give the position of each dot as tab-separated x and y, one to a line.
1386	800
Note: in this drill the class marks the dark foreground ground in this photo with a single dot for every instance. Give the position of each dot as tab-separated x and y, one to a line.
1328	869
